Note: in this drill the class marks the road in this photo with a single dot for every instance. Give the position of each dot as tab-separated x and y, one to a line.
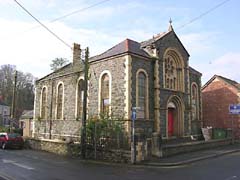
38	165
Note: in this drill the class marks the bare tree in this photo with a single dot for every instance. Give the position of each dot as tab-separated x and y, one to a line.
58	63
24	88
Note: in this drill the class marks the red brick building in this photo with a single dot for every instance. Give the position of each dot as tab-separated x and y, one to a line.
217	94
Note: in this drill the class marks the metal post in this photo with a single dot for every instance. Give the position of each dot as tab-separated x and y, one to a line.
95	140
84	117
13	101
133	148
232	132
133	143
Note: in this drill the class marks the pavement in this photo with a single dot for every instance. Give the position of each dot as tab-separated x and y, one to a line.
191	157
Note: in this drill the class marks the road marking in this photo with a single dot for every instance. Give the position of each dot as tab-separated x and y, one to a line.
232	177
17	164
7	161
23	166
3	175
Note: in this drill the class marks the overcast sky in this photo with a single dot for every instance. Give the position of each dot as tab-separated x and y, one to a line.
211	40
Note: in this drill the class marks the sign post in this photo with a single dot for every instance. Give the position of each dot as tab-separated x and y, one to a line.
234	109
133	149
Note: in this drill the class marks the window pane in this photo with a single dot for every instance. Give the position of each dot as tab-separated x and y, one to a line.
60	101
44	103
80	98
142	92
105	102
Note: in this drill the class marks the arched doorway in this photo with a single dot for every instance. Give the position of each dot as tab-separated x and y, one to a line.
174	117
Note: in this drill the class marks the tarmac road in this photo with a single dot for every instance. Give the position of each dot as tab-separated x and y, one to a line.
38	165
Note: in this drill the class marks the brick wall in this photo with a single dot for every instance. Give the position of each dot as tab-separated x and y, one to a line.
216	98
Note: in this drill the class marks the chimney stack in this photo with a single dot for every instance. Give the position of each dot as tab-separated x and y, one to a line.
76	53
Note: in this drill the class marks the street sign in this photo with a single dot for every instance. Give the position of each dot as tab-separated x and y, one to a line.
134	115
234	108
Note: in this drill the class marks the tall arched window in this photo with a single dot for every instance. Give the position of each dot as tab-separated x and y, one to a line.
173	71
60	101
43	105
194	98
142	94
105	101
80	95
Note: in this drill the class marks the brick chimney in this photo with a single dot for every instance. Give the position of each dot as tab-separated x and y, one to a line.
76	53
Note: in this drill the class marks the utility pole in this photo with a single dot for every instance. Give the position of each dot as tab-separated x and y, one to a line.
84	116
13	101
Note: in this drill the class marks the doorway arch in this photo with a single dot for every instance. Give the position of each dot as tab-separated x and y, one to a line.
175	117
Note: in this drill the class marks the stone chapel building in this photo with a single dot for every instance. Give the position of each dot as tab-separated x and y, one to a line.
154	75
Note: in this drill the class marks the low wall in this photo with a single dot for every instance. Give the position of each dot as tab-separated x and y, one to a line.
53	146
174	149
74	149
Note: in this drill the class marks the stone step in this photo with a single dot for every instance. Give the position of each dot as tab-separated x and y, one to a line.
171	149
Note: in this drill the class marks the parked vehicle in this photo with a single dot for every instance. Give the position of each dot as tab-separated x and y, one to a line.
11	140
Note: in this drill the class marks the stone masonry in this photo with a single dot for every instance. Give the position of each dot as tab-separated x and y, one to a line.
122	64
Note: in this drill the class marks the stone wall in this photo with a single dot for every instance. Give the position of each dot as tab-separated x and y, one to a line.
61	129
70	84
70	149
197	124
116	68
147	65
162	45
69	124
53	146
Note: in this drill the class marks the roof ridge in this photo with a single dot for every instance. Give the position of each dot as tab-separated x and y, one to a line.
155	38
109	49
227	79
125	46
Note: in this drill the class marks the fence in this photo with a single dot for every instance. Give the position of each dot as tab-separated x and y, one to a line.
107	134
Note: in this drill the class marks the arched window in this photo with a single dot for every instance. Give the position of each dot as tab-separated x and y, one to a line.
194	98
173	71
60	101
80	95
43	106
142	95
105	101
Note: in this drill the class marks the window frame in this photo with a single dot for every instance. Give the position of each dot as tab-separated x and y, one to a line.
57	103
100	100
41	103
146	93
196	104
77	115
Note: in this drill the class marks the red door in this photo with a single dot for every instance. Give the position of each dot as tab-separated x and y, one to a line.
170	122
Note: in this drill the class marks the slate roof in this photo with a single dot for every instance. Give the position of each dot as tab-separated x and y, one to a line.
194	71
54	72
154	38
27	114
126	46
